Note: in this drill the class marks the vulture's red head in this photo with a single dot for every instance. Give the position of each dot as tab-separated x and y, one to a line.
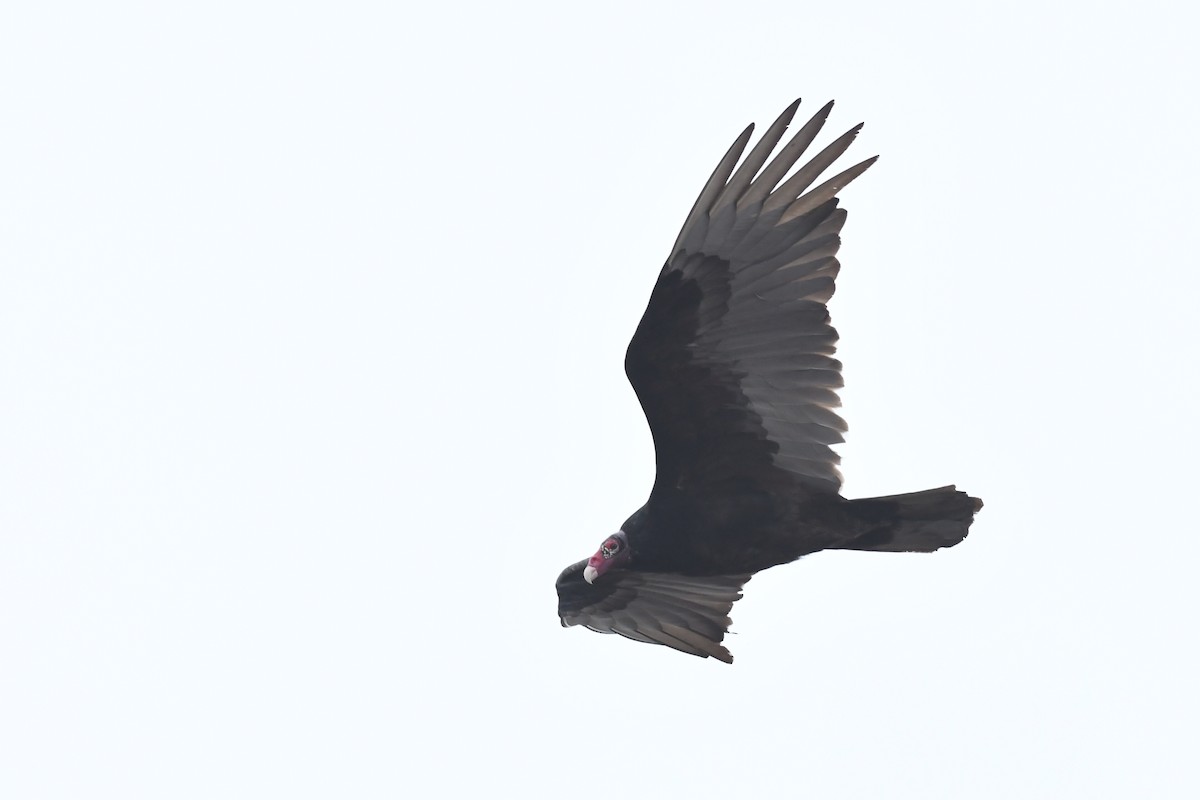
613	553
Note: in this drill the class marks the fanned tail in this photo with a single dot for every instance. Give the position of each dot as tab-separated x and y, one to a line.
918	522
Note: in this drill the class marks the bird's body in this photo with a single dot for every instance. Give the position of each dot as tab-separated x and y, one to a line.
732	363
715	534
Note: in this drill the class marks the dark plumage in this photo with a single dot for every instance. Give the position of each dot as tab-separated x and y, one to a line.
733	365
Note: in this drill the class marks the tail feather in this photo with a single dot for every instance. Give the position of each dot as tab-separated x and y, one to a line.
918	522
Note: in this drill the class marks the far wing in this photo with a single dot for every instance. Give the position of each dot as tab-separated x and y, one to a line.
689	614
733	358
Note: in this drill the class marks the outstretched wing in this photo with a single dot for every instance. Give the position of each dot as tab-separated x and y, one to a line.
733	359
689	614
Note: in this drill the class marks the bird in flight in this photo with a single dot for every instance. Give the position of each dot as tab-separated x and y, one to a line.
733	365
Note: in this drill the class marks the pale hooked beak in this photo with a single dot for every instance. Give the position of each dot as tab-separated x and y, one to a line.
590	573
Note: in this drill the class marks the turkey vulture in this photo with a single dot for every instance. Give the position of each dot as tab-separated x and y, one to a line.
733	364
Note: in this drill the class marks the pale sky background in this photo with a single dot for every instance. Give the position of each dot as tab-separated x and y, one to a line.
312	320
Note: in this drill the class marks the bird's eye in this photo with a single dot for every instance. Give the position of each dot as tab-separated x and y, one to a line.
605	550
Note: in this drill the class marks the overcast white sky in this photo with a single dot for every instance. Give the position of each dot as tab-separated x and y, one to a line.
312	319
